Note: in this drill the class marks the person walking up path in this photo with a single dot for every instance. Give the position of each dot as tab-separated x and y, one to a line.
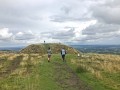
63	53
49	54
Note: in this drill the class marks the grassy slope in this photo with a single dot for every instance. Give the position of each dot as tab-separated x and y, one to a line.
36	77
35	73
91	71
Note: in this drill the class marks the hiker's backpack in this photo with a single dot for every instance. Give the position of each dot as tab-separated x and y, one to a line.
63	52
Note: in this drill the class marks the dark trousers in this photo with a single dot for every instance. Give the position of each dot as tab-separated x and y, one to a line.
63	57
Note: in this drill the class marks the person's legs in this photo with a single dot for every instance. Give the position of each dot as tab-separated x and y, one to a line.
49	58
63	57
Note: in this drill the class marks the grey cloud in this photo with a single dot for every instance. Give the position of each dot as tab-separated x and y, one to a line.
61	35
18	18
46	34
98	39
75	10
57	18
107	28
108	12
72	11
66	35
100	28
21	14
99	32
113	3
66	9
24	36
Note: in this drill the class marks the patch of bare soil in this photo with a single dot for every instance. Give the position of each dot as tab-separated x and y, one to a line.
67	78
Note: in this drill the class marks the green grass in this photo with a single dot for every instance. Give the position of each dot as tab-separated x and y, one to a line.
38	74
109	81
40	78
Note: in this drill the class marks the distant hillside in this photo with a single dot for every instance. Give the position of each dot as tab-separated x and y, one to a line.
42	48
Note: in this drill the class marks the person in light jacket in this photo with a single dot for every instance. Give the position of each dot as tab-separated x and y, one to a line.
63	53
49	54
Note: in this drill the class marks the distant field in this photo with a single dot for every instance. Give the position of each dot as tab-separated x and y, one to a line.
101	49
33	72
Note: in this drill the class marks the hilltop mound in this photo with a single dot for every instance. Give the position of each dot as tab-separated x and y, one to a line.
42	48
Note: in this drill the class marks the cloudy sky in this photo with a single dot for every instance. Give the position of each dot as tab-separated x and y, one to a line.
23	22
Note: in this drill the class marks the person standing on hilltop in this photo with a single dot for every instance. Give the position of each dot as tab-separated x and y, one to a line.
49	54
63	53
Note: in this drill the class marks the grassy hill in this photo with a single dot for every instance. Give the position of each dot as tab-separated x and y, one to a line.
31	71
42	48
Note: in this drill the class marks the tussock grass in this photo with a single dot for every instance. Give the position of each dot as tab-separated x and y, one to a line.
104	67
27	61
102	71
20	78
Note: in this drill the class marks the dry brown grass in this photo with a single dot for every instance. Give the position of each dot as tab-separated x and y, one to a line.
96	63
104	67
26	61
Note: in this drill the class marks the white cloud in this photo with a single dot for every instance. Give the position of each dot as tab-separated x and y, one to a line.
5	34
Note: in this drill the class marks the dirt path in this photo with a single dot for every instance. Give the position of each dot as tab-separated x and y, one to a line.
13	66
67	78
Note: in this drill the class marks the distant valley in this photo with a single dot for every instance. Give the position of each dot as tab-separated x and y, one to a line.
101	49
